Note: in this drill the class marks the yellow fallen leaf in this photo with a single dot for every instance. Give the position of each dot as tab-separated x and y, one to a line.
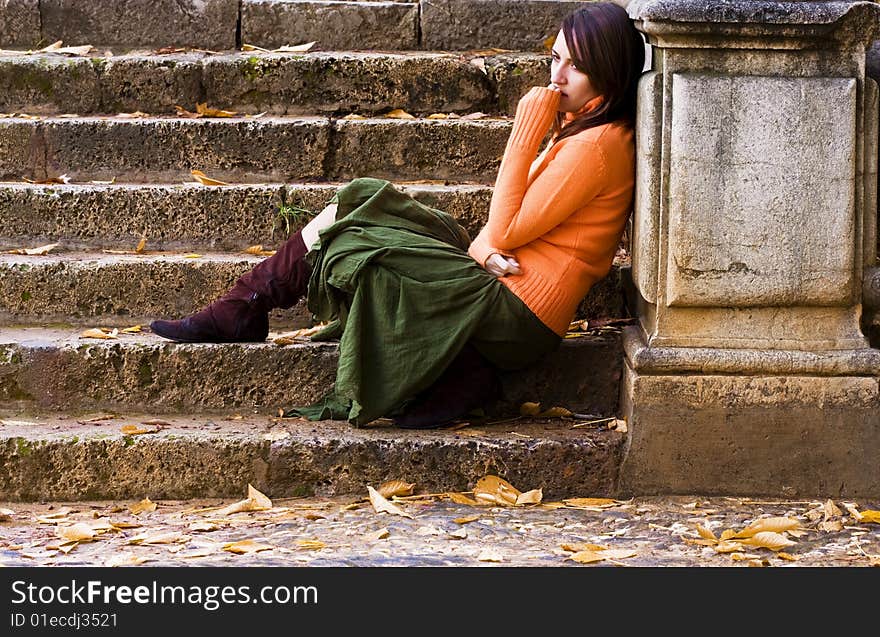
126	559
727	546
193	255
137	430
494	490
577	548
589	557
246	546
256	249
134	329
382	505
144	506
39	251
438	116
787	556
555	412
76	532
870	516
742	557
467	519
206	111
310	545
399	113
774	525
767	540
203	179
705	533
590	502
395	487
460	498
530	409
141	244
530	497
256	501
99	333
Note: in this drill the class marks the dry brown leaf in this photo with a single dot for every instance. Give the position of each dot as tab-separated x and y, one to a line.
830	526
203	179
555	412
38	251
256	501
590	502
767	540
727	546
353	116
310	545
67	50
126	559
591	556
137	430
141	244
55	516
382	505
577	548
467	519
399	113
395	487
477	115
705	533
460	498
204	110
246	546
182	112
831	510
787	556
870	516
381	534
438	116
97	332
530	409
203	527
530	497
494	490
144	506
296	48
134	329
76	532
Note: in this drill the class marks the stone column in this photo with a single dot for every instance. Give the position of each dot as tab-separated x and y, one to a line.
753	233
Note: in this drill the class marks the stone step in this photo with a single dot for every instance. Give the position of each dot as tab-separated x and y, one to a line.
188	217
215	24
54	369
336	83
267	149
123	290
55	456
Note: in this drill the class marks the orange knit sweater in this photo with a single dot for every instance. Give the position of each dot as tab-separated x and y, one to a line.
561	215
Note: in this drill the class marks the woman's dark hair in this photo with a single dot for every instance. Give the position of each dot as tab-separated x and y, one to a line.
604	44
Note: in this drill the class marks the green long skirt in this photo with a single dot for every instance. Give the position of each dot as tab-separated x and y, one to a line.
393	279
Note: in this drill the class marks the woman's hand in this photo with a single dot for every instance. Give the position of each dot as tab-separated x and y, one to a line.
500	265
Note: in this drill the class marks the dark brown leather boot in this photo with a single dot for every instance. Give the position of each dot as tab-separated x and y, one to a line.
242	314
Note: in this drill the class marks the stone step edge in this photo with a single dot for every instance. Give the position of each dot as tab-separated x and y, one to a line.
69	457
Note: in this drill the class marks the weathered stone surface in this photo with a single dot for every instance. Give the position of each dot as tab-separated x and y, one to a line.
714	434
645	221
21	151
476	24
143	371
146	372
333	25
514	74
214	456
416	149
48	84
343	83
20	23
165	150
152	85
206	24
771	244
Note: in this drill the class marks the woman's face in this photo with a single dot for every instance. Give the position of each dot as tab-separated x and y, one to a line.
574	85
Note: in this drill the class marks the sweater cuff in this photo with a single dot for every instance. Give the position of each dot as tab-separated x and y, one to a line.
480	250
534	115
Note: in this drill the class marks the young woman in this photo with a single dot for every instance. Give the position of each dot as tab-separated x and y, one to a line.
425	317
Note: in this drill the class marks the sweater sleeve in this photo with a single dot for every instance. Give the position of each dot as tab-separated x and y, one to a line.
520	212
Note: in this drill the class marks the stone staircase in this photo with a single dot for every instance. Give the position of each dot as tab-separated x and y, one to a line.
96	155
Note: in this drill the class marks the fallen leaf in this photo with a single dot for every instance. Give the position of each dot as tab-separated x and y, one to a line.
203	179
395	487
137	430
353	116
134	329
99	333
399	113
204	110
477	115
126	559
246	546
530	497
256	501
870	516
705	533
774	525
490	555
203	527
577	548
460	498
438	116
56	47
382	505
467	519
590	502
193	255
831	510
555	412
728	546
310	545
480	63
76	532
182	112
159	537
591	556
767	540
141	244
6	514
493	489
297	48
787	556
381	534
145	505
530	409
830	526
39	251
